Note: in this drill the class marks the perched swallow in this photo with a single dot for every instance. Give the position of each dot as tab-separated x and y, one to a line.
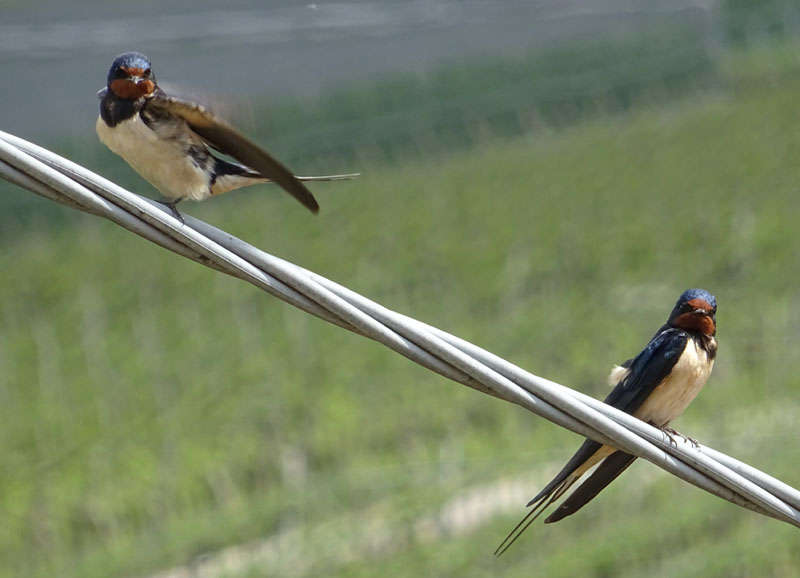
656	386
168	141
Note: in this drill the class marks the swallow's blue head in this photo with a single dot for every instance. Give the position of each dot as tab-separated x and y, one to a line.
131	76
696	310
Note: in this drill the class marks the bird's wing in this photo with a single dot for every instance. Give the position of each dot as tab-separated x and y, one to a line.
228	140
648	369
606	472
644	373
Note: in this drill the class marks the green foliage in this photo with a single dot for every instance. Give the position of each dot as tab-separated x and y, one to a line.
153	411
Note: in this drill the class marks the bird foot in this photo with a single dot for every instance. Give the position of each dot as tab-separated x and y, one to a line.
672	434
172	205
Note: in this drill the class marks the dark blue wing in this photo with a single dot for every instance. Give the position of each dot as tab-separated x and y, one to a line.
648	369
646	372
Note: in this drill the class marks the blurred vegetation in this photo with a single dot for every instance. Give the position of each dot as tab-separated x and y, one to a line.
461	105
154	412
749	22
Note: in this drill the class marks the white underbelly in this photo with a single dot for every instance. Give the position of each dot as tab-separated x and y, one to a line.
670	399
162	162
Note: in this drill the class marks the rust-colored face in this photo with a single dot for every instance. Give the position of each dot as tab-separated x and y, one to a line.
696	315
135	83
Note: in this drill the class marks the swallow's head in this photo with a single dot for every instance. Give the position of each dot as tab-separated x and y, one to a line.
131	76
696	310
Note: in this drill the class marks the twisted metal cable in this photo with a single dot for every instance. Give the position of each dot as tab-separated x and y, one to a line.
49	175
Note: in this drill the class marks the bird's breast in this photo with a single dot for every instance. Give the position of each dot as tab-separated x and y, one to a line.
159	155
674	394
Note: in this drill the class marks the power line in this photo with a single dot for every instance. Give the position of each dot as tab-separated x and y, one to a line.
47	174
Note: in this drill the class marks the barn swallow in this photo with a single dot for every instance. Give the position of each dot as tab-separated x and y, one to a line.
656	386
168	141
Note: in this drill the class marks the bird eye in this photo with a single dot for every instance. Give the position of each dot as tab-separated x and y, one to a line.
147	73
120	73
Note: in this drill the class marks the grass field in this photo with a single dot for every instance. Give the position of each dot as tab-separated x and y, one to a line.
154	412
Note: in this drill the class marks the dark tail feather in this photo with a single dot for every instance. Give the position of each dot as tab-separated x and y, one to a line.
605	473
542	502
551	492
223	167
281	176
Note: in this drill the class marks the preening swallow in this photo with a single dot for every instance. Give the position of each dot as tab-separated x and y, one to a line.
656	386
168	141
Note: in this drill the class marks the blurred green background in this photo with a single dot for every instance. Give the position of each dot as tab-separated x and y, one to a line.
548	201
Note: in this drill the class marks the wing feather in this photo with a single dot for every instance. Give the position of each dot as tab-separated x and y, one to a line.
226	139
642	375
648	370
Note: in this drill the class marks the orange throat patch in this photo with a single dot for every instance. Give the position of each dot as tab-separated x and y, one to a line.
129	90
